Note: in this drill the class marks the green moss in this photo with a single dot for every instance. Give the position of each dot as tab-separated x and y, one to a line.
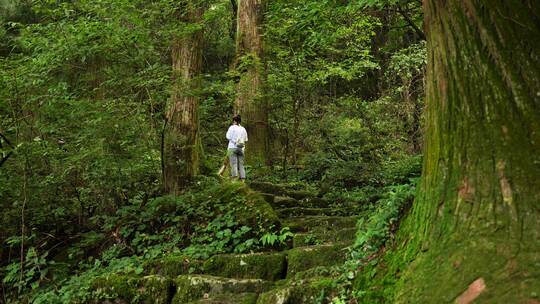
114	287
148	289
444	272
267	266
304	258
172	266
195	287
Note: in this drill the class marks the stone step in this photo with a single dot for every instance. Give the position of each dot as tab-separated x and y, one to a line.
191	288
302	211
278	202
304	258
241	298
298	293
128	289
281	190
308	223
173	266
320	236
267	266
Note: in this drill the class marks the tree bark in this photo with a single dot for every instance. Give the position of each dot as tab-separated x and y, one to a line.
181	133
250	102
474	230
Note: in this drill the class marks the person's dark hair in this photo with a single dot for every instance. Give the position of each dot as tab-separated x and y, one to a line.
237	119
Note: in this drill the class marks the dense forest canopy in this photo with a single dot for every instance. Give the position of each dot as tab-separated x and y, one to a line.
113	117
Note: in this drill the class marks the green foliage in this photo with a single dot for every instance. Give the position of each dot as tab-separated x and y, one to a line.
375	231
203	222
273	238
83	88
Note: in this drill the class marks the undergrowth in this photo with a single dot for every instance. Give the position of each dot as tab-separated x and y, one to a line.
209	219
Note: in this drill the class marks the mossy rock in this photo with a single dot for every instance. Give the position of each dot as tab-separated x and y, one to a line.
266	266
242	298
282	189
308	223
304	258
127	289
306	292
191	288
252	210
173	266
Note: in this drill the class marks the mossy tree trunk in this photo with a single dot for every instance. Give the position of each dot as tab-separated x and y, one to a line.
477	214
180	137
250	102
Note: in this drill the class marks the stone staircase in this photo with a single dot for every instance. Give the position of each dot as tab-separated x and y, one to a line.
321	234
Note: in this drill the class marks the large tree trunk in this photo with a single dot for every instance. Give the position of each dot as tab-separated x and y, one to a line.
250	102
477	214
180	136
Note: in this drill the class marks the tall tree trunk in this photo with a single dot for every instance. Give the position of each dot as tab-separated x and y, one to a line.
181	132
250	102
474	230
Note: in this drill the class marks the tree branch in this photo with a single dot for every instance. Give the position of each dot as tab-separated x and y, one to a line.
417	30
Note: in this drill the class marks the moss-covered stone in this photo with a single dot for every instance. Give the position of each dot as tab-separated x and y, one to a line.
308	223
128	289
315	291
173	266
303	258
195	287
266	266
242	298
254	211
